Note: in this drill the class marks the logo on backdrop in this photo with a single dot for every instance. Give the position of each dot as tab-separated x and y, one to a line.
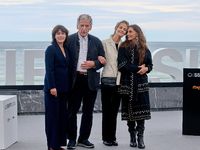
195	75
196	87
10	105
9	119
189	75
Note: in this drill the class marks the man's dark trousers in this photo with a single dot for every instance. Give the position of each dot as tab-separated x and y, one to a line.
81	92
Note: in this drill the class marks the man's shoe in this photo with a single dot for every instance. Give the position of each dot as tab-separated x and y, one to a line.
114	143
85	143
107	143
56	148
71	144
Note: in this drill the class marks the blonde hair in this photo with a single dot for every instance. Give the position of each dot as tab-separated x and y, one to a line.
117	25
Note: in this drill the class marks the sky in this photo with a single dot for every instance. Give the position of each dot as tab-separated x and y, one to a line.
160	20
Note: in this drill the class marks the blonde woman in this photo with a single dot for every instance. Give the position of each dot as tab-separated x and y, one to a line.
109	89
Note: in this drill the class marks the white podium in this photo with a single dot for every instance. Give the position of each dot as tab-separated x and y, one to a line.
8	120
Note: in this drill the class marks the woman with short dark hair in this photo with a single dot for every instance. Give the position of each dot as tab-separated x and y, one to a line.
56	89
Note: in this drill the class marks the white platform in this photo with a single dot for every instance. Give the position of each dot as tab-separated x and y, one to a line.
8	120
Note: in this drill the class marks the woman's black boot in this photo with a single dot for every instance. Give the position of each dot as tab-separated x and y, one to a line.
141	141
140	129
133	140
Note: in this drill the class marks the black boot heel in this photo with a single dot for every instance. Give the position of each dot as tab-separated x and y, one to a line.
133	140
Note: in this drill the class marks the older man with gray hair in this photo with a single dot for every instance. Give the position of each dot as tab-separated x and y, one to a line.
86	58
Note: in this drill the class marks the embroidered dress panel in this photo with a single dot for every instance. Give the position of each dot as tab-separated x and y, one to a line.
133	86
83	41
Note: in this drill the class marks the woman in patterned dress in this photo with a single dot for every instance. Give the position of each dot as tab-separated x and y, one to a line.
134	62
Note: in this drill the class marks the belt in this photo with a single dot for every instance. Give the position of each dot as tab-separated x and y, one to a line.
79	72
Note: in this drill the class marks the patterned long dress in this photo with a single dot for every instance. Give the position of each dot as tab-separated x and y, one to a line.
133	86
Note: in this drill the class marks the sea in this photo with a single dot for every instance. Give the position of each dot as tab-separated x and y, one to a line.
20	46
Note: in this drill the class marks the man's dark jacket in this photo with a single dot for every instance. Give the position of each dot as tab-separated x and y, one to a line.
95	49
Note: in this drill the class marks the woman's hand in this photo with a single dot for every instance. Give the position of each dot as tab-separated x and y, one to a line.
53	92
102	60
143	69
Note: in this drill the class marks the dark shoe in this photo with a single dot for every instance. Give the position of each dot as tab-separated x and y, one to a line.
141	142
107	143
133	140
85	143
53	148
71	144
114	143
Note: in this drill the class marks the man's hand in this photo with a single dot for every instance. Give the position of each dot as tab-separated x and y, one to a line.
53	92
143	69
102	60
87	65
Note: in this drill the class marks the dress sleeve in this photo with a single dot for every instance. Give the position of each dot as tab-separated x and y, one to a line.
49	65
124	63
149	63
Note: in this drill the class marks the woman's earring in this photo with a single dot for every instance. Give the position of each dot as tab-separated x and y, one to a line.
137	41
